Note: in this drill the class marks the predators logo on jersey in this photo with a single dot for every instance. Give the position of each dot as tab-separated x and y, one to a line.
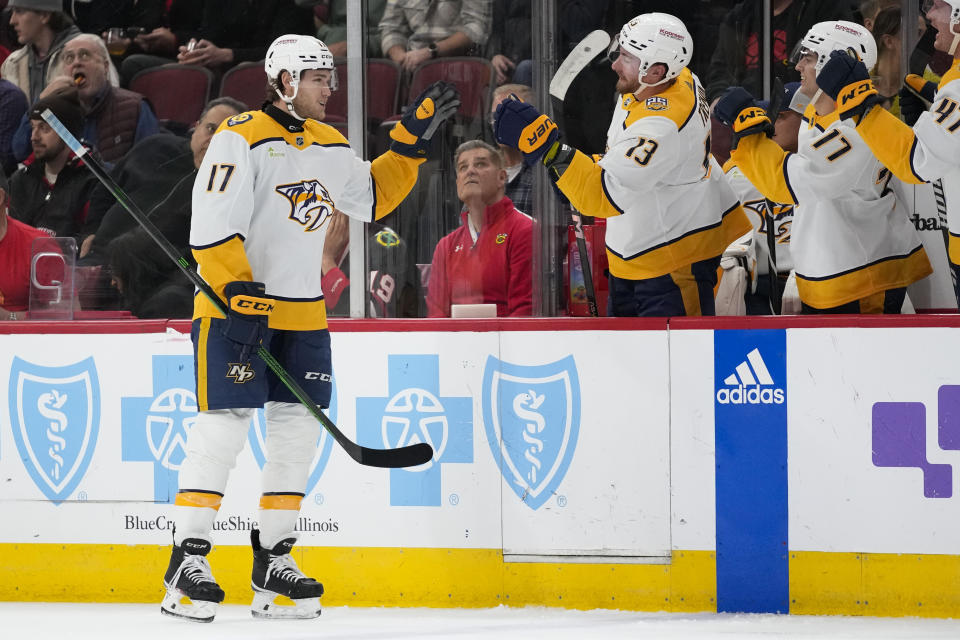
310	202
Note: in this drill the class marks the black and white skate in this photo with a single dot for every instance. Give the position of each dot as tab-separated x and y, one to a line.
276	574
192	593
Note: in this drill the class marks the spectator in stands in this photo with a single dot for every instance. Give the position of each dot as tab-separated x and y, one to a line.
132	16
158	174
16	242
52	192
737	60
414	31
229	32
181	23
114	119
510	42
42	28
870	8
519	187
488	258
330	18
887	78
13	106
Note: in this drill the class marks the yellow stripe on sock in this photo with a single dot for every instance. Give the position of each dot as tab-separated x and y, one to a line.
286	501
198	499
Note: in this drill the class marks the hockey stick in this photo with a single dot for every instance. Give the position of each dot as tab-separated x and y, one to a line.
585	51
409	456
775	293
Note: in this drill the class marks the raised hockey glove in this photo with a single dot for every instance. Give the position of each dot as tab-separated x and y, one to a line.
916	96
738	110
519	125
421	119
248	313
846	80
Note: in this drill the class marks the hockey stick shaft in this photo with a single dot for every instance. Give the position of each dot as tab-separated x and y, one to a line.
585	265
408	456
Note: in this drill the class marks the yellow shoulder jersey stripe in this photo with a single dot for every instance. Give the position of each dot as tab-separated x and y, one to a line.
257	127
952	74
677	103
765	165
892	142
582	183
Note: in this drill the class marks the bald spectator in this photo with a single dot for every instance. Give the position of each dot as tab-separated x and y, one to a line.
42	28
114	119
487	260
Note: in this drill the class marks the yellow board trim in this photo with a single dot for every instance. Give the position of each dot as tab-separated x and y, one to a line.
874	584
369	576
821	583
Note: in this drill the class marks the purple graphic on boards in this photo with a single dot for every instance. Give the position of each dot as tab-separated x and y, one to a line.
899	438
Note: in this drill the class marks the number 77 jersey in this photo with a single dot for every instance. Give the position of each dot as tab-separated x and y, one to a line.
851	238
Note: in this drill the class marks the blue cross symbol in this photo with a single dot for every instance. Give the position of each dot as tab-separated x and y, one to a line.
412	412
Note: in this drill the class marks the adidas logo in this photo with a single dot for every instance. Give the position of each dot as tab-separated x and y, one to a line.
751	383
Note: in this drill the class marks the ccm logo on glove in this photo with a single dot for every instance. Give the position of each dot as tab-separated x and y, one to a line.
249	305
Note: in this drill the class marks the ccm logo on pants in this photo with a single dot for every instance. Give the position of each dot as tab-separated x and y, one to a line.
316	375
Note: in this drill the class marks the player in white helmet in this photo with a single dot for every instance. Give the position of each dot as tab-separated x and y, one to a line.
267	188
670	212
928	152
854	249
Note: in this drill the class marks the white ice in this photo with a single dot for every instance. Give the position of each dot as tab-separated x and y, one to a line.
59	621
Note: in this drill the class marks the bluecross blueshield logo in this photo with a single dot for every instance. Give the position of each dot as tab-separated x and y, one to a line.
414	411
154	428
258	435
55	416
532	418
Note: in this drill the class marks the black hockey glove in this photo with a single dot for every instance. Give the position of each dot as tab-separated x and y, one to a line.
916	96
846	80
738	110
411	136
248	312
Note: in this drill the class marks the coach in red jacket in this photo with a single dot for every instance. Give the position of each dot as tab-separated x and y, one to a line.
487	259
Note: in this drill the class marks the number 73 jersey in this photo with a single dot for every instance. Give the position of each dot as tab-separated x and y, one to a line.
851	238
666	200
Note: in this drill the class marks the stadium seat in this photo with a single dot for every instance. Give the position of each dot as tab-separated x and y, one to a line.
383	87
177	92
472	77
247	82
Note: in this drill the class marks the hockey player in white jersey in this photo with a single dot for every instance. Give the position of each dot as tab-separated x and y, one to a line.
931	149
262	201
853	246
670	212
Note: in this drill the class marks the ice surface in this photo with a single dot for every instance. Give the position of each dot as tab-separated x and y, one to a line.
63	621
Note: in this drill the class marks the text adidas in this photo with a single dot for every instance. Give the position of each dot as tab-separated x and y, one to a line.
754	394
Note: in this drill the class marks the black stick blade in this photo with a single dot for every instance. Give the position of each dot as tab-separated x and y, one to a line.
410	456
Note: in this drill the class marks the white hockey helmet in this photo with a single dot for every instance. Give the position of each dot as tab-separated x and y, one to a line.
295	54
657	38
837	35
954	20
